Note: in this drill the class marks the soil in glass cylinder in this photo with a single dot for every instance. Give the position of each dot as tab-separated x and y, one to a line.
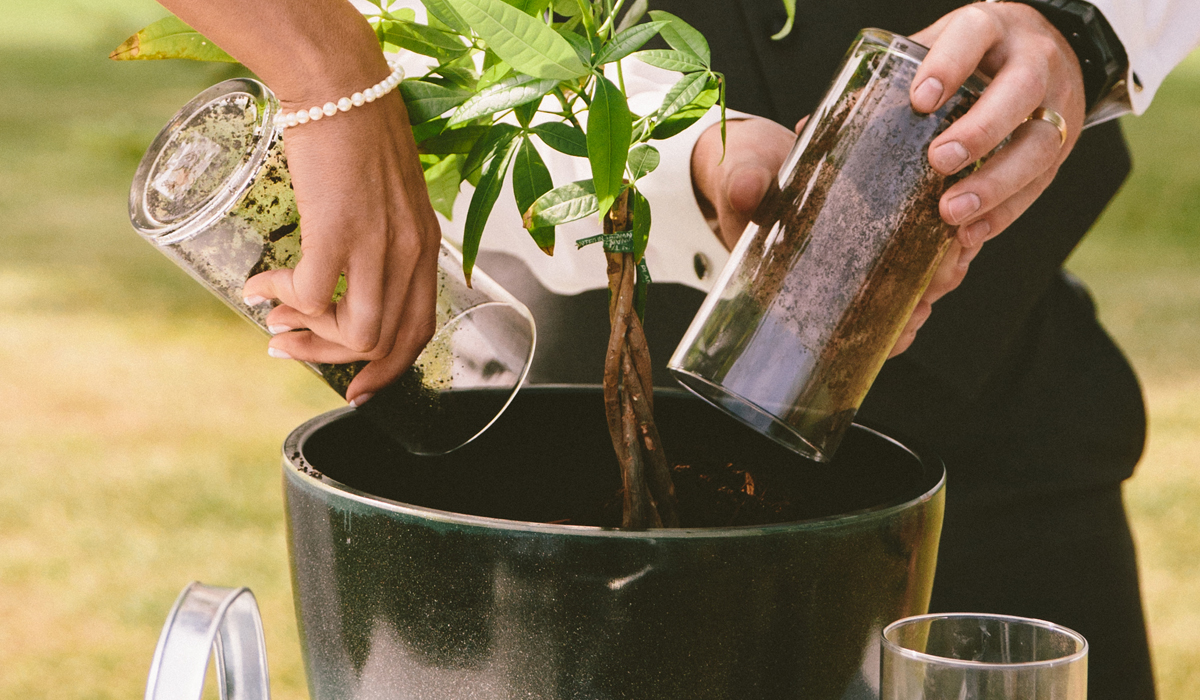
836	261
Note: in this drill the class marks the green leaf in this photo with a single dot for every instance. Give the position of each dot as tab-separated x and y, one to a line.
566	8
443	180
628	41
583	49
570	25
526	43
670	60
789	6
402	14
530	7
688	115
423	40
531	180
425	101
508	93
682	93
525	113
460	140
445	13
560	205
499	136
456	76
634	14
641	225
609	130
490	58
429	129
563	138
491	181
596	42
682	36
169	37
493	74
640	129
724	122
643	159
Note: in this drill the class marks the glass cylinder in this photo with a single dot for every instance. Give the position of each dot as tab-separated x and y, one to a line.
213	193
820	286
971	656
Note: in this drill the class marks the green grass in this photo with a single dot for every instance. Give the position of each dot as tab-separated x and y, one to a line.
141	422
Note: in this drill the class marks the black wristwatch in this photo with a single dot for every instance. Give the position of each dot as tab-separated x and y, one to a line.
1100	53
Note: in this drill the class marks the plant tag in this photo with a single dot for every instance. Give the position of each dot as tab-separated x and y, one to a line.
616	242
641	287
643	273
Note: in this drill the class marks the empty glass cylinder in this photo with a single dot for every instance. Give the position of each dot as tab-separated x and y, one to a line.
971	656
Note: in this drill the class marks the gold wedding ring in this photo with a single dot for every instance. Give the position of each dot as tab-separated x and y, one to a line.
1048	115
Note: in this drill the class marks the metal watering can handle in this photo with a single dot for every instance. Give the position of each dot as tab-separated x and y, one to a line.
224	621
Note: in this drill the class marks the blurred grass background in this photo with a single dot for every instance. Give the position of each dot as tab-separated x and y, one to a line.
141	421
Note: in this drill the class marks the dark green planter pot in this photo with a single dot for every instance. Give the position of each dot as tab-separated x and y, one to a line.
400	595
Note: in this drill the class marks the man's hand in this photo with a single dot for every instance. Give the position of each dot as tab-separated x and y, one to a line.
1030	64
730	189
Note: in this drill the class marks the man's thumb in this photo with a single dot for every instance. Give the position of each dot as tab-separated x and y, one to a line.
745	186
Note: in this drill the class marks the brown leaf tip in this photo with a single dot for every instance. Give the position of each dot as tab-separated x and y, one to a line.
128	50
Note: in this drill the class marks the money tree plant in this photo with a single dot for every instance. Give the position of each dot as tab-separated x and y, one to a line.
508	77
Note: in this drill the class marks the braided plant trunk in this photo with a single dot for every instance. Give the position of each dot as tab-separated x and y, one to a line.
649	495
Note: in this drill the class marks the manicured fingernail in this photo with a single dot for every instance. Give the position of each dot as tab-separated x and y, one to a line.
360	400
277	353
253	300
949	157
976	233
276	330
963	206
928	94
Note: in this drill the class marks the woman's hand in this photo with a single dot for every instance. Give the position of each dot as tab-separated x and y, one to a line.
364	209
365	213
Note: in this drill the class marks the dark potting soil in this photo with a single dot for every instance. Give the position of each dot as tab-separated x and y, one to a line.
549	459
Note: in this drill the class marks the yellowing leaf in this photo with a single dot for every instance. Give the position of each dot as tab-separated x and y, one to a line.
169	38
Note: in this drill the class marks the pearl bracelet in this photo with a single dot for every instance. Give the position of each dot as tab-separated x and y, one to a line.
358	99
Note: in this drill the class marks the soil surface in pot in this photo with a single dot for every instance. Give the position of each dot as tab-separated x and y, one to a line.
549	459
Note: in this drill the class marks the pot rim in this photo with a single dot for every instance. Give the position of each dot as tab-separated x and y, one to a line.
299	469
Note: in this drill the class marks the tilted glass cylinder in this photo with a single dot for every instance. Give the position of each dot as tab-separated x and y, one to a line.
820	286
213	193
